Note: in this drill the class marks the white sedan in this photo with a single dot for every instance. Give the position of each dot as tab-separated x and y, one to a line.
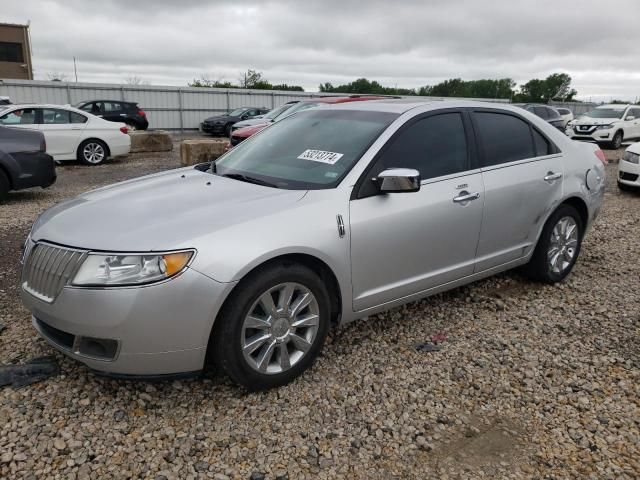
71	133
629	168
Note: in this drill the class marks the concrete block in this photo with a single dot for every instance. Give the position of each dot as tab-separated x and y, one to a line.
193	152
151	141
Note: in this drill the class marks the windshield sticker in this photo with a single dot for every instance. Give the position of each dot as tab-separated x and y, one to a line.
321	156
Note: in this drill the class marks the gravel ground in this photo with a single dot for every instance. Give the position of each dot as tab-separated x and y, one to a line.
532	381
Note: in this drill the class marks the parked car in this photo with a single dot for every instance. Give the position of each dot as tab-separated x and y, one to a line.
117	111
566	114
242	134
547	113
629	169
607	124
268	117
5	101
24	162
221	124
71	133
328	216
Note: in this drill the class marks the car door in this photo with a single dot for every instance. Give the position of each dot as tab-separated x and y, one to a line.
405	243
60	131
522	172
113	111
20	118
634	125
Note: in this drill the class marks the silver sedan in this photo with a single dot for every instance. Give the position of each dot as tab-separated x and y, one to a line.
328	216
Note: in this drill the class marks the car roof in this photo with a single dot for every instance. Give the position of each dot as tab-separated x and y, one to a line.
106	100
614	106
405	104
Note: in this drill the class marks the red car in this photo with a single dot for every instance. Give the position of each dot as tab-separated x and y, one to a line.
243	133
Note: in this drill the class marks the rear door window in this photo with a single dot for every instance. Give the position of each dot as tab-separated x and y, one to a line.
112	107
51	116
503	138
77	118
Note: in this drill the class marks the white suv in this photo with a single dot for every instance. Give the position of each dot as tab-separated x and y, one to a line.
610	124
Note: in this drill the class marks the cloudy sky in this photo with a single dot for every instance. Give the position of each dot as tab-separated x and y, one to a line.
406	43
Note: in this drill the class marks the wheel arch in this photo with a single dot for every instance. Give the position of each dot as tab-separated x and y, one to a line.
580	205
314	263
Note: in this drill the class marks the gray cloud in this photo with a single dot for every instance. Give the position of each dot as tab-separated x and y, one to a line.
406	43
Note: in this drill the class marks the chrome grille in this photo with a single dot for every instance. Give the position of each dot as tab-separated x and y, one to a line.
48	268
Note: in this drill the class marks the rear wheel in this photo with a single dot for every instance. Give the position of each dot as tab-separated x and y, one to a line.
616	141
272	327
227	129
5	186
92	152
558	247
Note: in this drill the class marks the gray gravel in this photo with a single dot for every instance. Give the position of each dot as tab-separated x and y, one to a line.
531	381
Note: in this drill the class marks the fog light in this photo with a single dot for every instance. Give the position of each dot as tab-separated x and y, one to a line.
100	348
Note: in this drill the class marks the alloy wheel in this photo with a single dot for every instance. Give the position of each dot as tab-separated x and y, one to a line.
563	245
93	153
280	328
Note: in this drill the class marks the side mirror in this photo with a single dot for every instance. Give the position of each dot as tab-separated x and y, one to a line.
399	180
244	117
630	117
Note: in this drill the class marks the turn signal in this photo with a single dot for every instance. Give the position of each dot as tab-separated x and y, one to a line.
124	129
175	262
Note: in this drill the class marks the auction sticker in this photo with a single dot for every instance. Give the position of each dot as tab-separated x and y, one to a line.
320	156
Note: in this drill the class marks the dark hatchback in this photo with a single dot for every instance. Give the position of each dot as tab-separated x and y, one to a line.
221	124
550	114
24	162
117	111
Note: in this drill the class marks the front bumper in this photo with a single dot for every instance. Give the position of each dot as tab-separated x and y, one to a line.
212	128
629	173
159	329
595	136
36	170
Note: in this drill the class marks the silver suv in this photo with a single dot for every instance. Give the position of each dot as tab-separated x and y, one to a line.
328	216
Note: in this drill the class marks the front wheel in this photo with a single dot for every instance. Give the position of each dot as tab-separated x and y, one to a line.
616	141
272	327
92	152
558	247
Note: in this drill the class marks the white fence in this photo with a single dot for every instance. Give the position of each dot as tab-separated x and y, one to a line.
578	108
171	108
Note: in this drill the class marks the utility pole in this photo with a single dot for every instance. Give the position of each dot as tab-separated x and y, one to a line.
75	70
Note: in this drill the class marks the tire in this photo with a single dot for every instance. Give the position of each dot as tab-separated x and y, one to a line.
540	266
616	142
5	186
227	129
99	149
233	334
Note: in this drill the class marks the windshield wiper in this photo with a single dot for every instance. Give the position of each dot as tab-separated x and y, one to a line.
248	179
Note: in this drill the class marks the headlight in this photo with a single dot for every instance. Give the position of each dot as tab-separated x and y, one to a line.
604	127
129	269
631	157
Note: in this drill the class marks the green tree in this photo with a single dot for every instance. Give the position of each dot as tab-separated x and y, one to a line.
555	87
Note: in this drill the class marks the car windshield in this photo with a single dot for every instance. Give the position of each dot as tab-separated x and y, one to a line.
237	112
276	112
312	150
298	107
605	113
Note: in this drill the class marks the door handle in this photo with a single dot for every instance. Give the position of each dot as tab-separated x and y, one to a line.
551	177
466	197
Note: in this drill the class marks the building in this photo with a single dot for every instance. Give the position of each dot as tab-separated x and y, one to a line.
15	52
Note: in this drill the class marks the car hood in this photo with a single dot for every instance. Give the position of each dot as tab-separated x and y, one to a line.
251	130
634	148
594	121
220	118
164	211
253	121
